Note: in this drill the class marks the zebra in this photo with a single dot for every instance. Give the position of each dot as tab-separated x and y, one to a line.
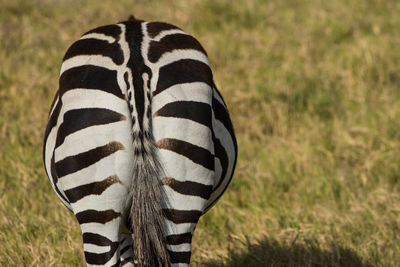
139	143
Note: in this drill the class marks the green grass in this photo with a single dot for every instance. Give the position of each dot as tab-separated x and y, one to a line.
313	91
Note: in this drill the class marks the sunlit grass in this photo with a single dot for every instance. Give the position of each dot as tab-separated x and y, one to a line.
313	92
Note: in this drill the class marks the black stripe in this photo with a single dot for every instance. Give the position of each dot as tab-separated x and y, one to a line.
99	240
134	38
180	257
50	124
52	121
188	187
195	153
125	249
222	115
171	42
101	258
96	239
154	28
179	239
96	188
78	119
90	77
183	71
195	111
95	216
93	46
221	154
182	216
54	177
110	30
80	161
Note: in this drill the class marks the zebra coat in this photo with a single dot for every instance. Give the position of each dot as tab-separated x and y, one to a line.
139	143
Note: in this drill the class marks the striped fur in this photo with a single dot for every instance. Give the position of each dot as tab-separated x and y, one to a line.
139	143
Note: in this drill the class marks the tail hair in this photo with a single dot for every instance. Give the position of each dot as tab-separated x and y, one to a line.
149	243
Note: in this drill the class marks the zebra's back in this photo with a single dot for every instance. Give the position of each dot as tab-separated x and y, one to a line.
138	99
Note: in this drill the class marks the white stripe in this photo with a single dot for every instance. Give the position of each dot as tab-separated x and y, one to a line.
84	98
184	202
114	197
184	130
196	91
218	171
115	164
108	230
128	264
183	169
176	229
146	90
92	137
95	249
226	141
98	36
144	51
216	96
186	247
124	44
94	60
179	54
54	106
162	34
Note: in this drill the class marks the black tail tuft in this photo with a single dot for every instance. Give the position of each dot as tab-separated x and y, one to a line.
131	18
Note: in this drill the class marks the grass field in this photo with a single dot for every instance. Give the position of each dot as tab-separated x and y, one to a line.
313	89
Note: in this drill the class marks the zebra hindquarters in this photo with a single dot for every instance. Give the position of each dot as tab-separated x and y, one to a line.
93	158
183	133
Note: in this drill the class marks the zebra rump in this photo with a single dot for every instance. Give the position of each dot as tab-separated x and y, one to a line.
139	143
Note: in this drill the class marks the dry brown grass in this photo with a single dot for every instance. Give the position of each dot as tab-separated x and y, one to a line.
313	91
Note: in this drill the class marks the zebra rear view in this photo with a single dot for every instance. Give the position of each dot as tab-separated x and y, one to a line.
139	143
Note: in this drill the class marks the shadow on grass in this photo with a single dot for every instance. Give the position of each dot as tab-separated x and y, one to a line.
272	253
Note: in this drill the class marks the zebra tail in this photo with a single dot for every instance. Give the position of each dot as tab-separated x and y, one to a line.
149	243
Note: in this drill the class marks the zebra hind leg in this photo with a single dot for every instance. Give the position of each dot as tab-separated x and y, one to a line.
101	242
